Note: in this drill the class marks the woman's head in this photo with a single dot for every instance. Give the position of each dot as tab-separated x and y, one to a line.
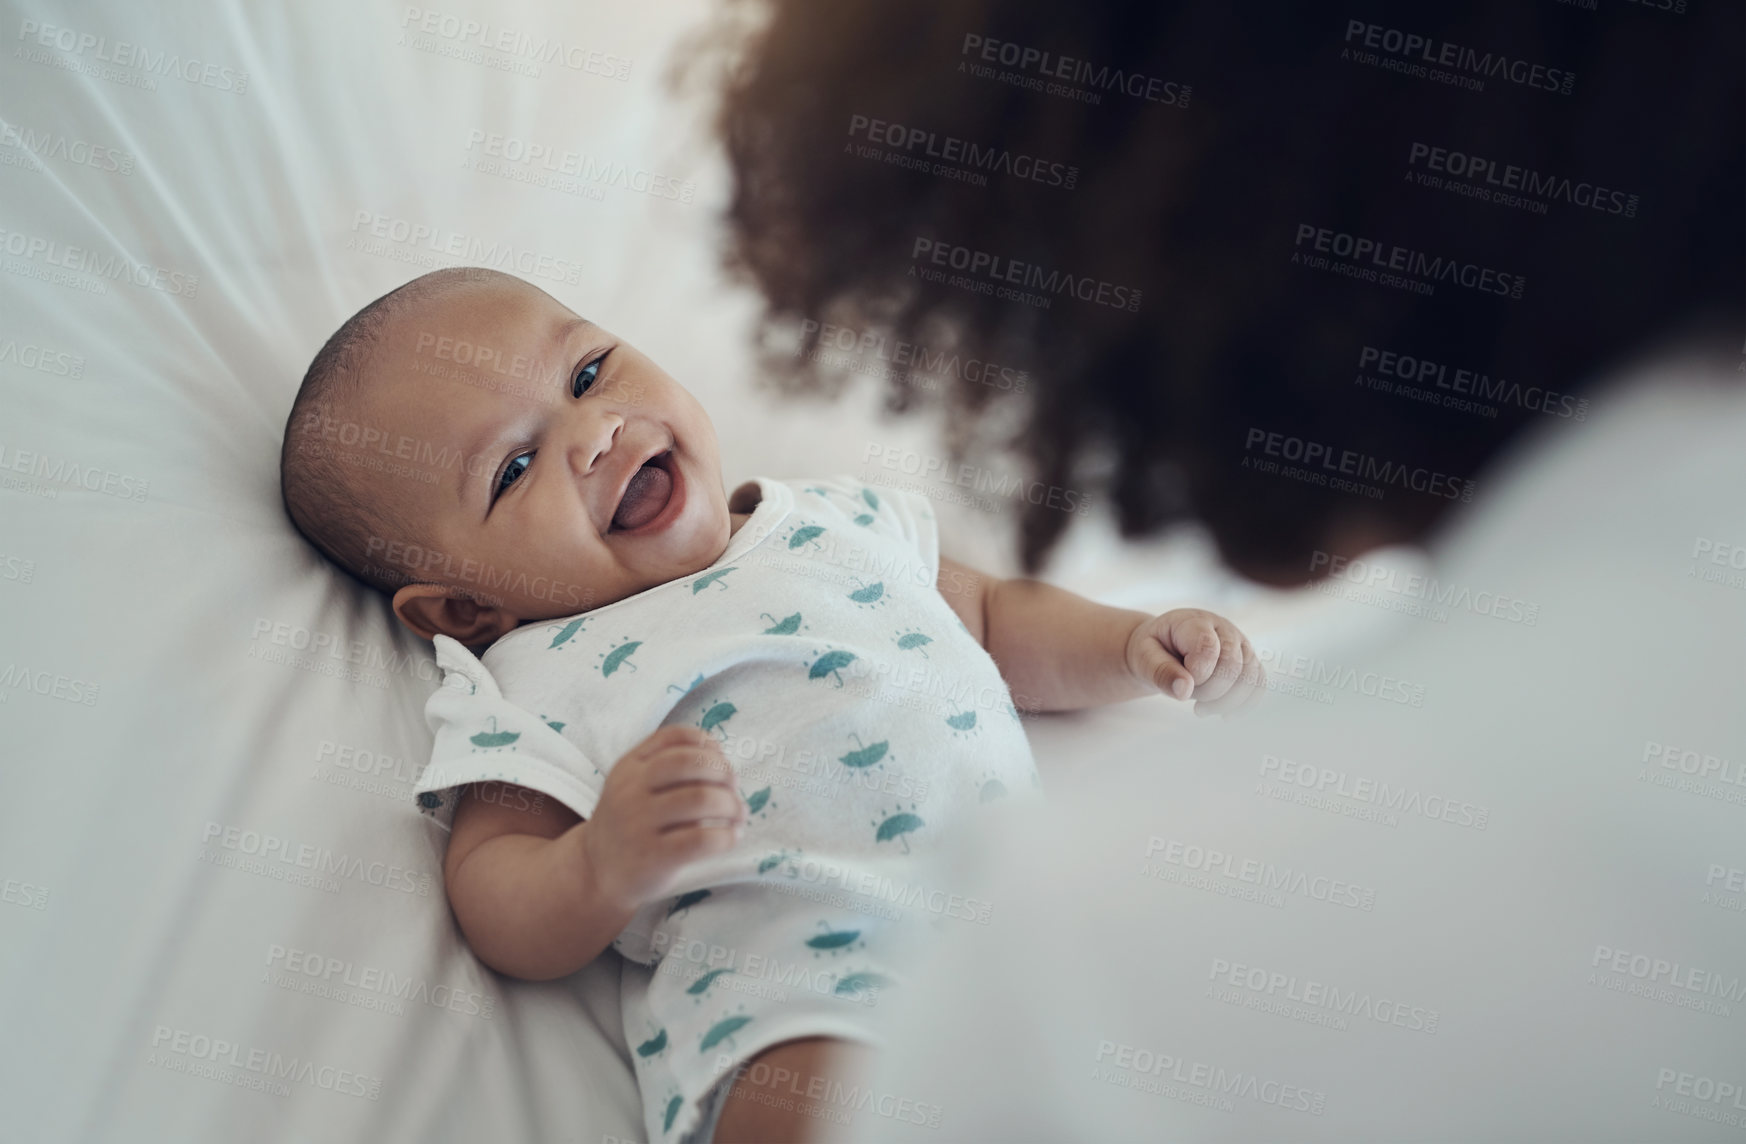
1295	274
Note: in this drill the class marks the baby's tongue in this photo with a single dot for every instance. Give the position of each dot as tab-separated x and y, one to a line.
644	497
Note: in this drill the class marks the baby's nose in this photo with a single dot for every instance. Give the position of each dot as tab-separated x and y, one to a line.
594	441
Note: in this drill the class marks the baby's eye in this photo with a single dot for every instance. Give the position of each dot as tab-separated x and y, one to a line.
585	377
513	471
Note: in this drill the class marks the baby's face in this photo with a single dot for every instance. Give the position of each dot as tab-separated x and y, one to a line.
547	512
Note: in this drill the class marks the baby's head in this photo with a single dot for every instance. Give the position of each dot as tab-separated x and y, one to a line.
472	447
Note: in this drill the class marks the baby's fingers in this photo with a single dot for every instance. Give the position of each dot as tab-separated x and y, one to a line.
1247	687
1197	636
698	840
1163	670
1234	652
685	763
694	804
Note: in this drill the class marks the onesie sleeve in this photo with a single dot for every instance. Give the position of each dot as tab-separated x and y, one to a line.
905	516
483	737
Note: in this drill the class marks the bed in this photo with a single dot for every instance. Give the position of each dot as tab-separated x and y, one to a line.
222	916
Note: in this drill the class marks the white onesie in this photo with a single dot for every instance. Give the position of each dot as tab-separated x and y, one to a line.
864	724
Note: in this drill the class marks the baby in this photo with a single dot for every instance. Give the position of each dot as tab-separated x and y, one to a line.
723	733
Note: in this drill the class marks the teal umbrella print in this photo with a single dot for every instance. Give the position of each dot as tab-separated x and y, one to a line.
701	986
831	941
864	756
703	582
722	1030
568	631
898	826
786	627
831	663
853	985
805	535
686	900
619	657
494	738
653	1045
718	714
672	1113
915	641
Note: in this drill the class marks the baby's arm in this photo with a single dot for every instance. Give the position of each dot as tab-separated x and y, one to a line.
1058	651
539	892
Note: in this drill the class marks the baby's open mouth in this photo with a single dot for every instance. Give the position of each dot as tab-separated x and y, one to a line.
650	488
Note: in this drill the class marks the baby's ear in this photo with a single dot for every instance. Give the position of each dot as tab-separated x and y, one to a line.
430	609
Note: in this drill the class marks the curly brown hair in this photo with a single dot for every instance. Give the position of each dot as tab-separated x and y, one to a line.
1178	193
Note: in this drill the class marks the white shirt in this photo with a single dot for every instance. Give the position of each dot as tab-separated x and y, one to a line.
1514	911
864	722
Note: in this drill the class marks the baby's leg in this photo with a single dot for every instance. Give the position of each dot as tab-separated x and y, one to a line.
768	1102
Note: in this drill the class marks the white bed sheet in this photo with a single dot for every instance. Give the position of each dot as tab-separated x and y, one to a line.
222	919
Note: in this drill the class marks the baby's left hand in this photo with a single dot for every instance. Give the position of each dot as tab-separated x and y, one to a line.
1190	653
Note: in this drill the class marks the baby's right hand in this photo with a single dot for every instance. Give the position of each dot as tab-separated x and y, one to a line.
670	800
